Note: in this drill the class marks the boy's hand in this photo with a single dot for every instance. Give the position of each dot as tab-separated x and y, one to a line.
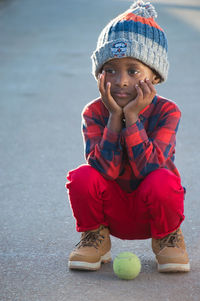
106	96
115	111
145	94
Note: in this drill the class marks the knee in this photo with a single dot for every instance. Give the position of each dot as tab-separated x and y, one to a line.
164	183
82	177
161	176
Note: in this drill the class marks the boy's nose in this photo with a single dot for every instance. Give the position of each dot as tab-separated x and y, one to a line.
121	80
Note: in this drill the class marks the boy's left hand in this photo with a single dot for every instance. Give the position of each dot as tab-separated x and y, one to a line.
145	94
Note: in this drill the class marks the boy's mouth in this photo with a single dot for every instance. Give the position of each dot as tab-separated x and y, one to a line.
120	94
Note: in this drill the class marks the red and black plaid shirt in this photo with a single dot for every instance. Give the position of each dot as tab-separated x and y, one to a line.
129	156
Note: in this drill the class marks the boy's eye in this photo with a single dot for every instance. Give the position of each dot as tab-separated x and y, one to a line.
110	70
133	71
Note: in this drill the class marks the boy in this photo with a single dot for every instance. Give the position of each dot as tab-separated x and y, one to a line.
130	187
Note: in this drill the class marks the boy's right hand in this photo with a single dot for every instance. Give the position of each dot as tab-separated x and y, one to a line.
106	96
115	111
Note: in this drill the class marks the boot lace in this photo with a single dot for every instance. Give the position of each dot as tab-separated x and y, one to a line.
170	240
90	238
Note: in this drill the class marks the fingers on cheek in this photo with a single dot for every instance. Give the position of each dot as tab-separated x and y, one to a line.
108	86
145	88
151	86
101	83
108	89
139	90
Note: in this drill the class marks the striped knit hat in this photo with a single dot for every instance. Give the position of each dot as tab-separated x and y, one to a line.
133	34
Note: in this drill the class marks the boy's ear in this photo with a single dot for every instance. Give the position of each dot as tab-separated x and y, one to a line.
156	79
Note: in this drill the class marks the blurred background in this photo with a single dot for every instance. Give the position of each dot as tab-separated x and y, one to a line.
45	82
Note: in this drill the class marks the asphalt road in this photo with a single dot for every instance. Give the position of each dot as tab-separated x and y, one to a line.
45	81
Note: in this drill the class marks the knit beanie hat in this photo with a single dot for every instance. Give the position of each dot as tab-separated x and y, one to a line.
133	34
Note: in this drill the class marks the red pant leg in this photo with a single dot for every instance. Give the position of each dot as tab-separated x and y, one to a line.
86	189
163	195
96	201
153	209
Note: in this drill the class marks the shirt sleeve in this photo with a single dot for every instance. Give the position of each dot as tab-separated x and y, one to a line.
102	146
155	149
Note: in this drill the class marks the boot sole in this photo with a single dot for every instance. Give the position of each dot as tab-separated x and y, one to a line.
173	267
91	266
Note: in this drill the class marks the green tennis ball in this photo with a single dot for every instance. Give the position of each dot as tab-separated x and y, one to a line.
126	265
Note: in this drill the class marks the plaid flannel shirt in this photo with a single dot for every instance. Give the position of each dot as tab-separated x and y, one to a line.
129	156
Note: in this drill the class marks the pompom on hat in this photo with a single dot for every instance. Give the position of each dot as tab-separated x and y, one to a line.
133	34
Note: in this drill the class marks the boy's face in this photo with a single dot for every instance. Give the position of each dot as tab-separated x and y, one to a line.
124	74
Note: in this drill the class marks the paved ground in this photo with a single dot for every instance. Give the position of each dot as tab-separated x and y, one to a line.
45	80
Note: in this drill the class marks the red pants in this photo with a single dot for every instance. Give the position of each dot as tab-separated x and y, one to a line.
154	209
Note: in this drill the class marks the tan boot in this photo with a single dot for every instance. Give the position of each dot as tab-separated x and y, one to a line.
171	253
93	249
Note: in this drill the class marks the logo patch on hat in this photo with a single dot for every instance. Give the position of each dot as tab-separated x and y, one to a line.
119	49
